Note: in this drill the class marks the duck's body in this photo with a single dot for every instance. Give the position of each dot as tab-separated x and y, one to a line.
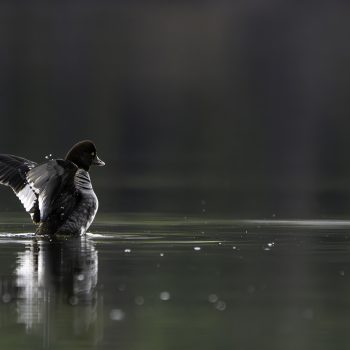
57	194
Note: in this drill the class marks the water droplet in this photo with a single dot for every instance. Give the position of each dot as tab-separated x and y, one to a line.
251	289
308	314
139	300
122	287
213	298
220	305
117	315
6	297
164	296
271	244
127	250
197	248
161	254
80	277
342	273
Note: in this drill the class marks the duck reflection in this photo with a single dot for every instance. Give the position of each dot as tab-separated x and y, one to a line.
56	286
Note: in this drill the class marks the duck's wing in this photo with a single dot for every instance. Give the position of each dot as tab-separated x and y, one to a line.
13	171
54	180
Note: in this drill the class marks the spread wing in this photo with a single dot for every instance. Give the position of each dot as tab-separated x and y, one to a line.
51	181
13	171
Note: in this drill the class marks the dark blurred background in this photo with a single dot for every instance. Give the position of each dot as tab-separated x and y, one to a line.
236	108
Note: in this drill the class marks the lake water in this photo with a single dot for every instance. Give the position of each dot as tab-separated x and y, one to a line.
174	282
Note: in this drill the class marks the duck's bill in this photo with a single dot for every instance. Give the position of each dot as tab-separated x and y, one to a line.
97	161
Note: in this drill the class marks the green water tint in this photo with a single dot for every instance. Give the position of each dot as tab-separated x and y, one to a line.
160	282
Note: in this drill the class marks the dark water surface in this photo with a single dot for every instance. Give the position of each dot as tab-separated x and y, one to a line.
175	282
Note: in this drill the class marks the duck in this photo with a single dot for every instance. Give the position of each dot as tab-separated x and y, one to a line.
57	194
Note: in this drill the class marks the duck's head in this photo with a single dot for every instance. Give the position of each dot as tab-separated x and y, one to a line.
83	154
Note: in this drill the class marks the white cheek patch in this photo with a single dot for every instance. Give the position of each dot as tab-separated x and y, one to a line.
27	197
